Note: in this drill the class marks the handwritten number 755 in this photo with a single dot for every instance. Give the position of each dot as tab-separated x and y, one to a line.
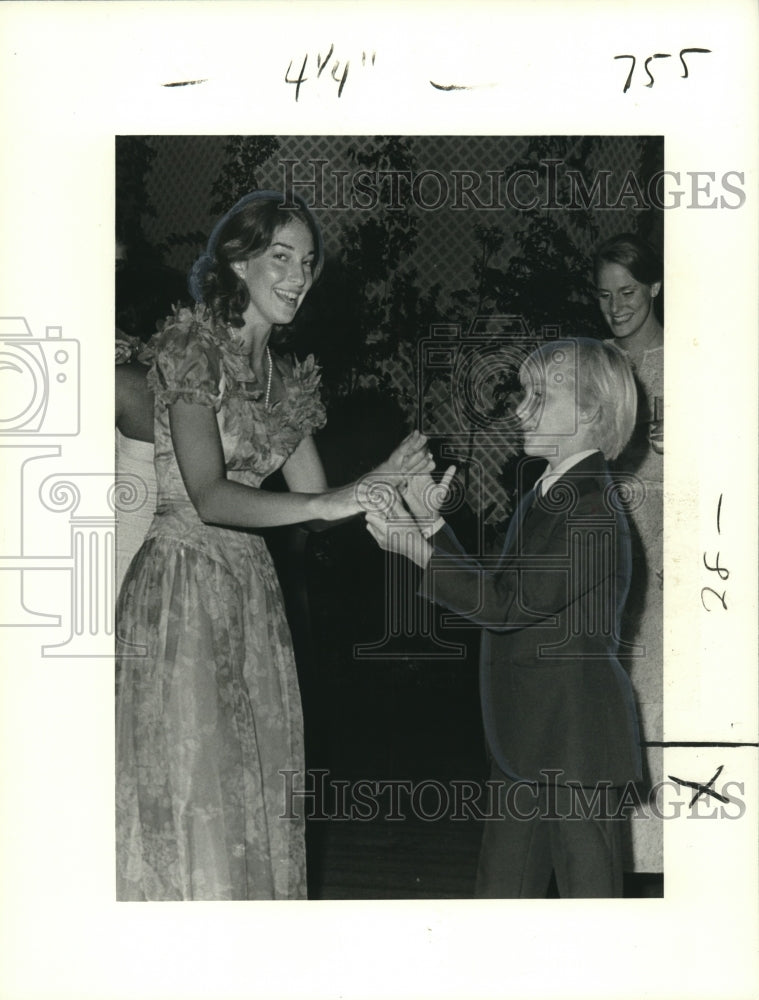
656	55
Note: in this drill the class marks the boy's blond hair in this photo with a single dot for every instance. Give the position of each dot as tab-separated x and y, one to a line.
601	376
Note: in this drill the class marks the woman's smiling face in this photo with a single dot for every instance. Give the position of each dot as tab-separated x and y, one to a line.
626	304
279	278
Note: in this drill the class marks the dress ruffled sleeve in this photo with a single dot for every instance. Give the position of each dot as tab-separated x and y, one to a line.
127	347
309	413
186	361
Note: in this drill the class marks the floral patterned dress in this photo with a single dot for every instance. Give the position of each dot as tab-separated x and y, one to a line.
208	710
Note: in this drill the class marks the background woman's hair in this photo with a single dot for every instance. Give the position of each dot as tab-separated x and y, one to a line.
632	253
246	232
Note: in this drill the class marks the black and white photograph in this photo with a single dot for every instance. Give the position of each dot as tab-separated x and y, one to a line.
378	409
425	290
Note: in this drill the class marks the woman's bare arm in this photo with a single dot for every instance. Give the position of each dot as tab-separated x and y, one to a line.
134	402
303	471
219	500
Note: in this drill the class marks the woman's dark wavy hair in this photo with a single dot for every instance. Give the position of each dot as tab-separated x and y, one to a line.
246	231
633	253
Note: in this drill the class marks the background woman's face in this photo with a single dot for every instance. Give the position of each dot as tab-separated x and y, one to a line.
626	304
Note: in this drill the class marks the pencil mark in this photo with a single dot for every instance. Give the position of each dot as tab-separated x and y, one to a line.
682	60
343	78
649	60
716	568
185	83
722	572
720	597
658	55
301	79
459	86
449	86
322	62
628	81
701	789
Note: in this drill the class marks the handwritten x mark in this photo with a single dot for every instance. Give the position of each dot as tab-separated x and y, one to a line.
701	789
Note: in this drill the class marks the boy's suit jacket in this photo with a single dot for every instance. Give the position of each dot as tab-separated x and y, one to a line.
554	695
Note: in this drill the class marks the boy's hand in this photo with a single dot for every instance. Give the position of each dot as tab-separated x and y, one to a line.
394	531
424	497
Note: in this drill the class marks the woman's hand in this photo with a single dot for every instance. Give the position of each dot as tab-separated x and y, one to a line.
410	457
378	491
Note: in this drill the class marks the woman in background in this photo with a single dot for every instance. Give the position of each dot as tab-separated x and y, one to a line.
628	278
145	293
209	719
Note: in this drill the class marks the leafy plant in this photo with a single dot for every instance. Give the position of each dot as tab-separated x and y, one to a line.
370	308
134	158
244	157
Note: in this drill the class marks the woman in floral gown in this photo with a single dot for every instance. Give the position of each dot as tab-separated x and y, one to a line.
208	710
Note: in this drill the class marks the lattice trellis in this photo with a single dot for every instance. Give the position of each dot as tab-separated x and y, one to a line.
185	168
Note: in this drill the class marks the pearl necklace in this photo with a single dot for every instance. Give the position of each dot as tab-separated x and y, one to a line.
268	380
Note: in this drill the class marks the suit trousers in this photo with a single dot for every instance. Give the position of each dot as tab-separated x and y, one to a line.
542	828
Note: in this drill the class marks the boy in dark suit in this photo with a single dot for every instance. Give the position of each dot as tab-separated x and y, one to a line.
558	708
